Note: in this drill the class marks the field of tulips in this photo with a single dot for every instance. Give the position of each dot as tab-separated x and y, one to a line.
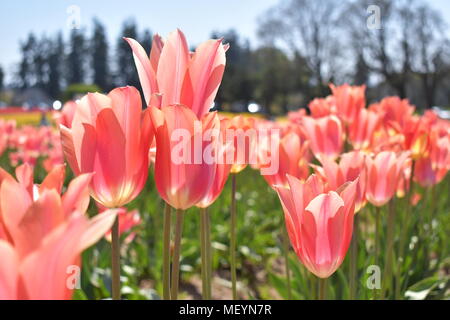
349	200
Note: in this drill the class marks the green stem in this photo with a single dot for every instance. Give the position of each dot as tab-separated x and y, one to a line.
115	263
203	253
377	234
233	236
313	285
376	240
208	253
322	288
354	259
404	234
166	252
286	261
387	283
176	254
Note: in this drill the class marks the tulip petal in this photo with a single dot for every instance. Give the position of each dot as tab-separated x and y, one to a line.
55	179
8	272
172	67
76	198
146	72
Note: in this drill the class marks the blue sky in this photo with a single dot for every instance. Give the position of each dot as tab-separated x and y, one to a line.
197	18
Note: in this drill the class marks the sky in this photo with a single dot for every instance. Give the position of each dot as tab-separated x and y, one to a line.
197	18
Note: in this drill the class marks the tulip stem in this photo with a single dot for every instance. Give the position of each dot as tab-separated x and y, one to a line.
115	263
166	252
204	253
377	234
322	288
286	262
233	236
354	260
389	249
376	241
176	254
404	233
208	254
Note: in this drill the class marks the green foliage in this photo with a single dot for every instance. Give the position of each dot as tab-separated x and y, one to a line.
79	89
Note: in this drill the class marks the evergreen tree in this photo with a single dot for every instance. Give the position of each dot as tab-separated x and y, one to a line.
39	59
76	58
2	78
146	40
55	66
126	71
99	60
25	73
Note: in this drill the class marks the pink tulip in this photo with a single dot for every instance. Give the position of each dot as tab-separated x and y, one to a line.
183	176
223	169
325	136
65	116
44	234
394	112
243	136
293	160
319	223
352	165
110	136
182	77
383	174
350	100
432	168
361	131
322	107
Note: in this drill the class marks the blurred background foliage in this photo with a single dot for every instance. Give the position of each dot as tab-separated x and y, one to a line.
305	44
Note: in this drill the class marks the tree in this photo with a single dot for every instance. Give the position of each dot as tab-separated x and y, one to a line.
146	40
274	78
433	64
309	28
25	73
99	58
237	83
126	72
55	66
389	50
2	76
76	58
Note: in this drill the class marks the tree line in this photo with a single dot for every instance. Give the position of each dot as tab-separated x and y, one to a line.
305	44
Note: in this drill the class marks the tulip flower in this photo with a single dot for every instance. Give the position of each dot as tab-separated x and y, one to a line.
183	177
182	77
110	136
361	131
350	100
383	174
293	160
394	111
222	172
319	223
65	116
431	169
220	178
44	234
241	131
325	136
322	107
351	166
185	169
